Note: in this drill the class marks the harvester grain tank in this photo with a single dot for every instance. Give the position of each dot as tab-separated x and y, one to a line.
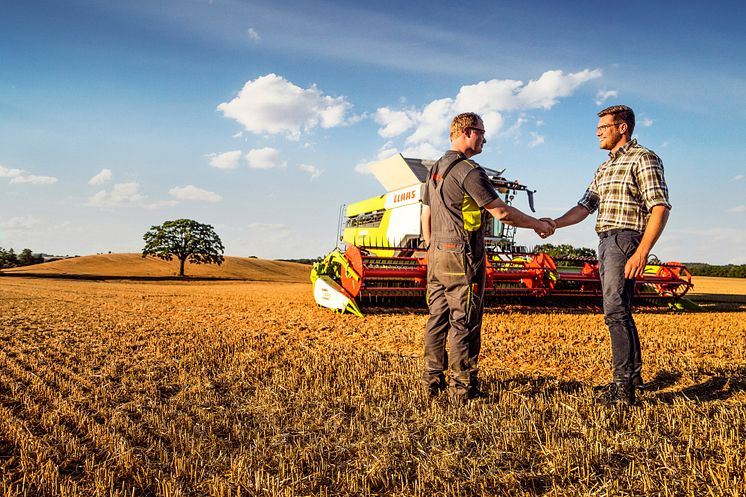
383	262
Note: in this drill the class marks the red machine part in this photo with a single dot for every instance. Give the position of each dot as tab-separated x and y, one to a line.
371	278
673	279
533	275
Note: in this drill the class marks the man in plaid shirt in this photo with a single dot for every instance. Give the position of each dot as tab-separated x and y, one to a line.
631	196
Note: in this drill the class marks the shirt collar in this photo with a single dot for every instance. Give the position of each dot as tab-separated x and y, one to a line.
623	149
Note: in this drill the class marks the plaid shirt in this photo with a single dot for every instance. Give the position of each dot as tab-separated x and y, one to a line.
625	188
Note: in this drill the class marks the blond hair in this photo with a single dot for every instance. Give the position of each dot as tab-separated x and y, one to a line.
463	121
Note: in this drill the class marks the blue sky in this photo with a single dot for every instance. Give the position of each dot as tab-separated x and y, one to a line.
260	118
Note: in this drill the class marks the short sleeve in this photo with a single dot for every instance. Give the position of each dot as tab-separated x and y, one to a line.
478	186
651	182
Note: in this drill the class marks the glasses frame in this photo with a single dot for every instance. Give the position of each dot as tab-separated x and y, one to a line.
604	127
480	131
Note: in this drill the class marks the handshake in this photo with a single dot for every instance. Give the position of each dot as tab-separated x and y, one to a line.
546	227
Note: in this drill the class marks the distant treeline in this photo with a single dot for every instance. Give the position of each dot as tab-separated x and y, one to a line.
8	258
302	261
727	271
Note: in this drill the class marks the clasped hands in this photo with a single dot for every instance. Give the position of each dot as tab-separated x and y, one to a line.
548	225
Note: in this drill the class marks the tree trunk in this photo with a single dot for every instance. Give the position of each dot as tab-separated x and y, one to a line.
181	266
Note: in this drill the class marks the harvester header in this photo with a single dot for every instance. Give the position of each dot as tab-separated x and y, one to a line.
382	260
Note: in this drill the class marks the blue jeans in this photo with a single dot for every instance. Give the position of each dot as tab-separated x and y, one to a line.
614	249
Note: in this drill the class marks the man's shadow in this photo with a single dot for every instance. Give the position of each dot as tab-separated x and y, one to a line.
717	384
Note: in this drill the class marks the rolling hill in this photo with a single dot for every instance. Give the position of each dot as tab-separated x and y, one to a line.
124	266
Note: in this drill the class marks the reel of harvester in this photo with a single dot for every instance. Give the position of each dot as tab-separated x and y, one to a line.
384	263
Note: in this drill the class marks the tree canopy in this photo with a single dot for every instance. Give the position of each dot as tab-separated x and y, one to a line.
8	258
185	239
565	251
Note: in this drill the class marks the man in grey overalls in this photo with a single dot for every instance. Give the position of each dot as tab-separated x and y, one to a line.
456	200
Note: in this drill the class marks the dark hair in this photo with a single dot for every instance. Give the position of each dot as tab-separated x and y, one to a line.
623	113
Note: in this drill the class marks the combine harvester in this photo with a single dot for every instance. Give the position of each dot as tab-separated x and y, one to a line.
384	263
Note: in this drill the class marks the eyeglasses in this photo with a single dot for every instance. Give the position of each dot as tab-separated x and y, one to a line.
604	127
479	131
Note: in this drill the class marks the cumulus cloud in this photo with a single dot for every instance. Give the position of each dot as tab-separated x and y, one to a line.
21	223
738	209
314	171
646	121
491	99
225	160
363	167
273	105
264	158
191	192
21	176
103	177
394	122
125	195
737	177
253	35
603	95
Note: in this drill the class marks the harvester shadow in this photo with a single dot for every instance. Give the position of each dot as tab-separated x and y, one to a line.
720	384
720	303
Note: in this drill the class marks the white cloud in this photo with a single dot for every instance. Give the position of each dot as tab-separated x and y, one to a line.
603	95
544	92
21	223
394	122
10	173
423	151
646	121
253	35
264	158
737	177
126	195
103	177
491	99
271	104
121	194
363	167
225	160
387	150
34	179
191	192
314	171
738	209
536	139
21	176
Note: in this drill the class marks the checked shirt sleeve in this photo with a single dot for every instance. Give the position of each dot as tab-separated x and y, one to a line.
651	182
590	199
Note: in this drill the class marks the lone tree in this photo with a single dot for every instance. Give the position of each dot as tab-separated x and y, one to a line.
186	240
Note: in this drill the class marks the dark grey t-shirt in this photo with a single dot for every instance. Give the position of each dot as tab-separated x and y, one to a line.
457	202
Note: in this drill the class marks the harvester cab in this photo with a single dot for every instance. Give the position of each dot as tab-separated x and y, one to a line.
382	260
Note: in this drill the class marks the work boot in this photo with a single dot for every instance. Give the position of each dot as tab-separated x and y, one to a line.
616	393
637	381
475	392
435	387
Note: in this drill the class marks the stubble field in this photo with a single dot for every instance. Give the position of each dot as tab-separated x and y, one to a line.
247	388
